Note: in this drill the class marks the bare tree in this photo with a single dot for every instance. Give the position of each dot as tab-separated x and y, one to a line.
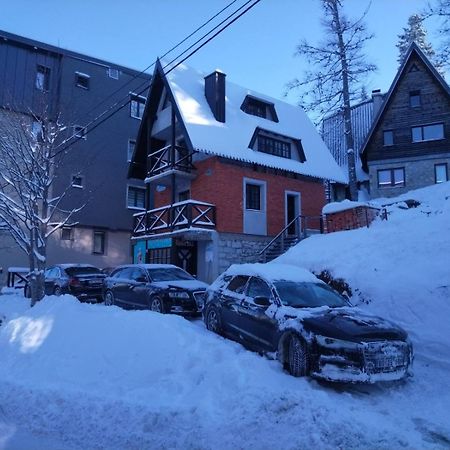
338	72
29	210
441	10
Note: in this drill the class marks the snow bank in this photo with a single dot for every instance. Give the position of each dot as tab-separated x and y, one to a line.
335	207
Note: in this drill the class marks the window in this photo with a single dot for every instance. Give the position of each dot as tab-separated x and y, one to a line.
414	99
136	197
238	284
113	73
131	146
82	80
388	138
99	242
440	173
36	130
428	132
259	108
42	81
391	177
66	234
253	196
258	288
137	105
77	181
79	132
274	146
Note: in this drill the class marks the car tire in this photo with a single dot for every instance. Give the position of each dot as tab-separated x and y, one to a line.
297	358
212	320
109	298
57	291
157	305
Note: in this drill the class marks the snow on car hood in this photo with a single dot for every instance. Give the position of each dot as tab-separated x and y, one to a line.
190	285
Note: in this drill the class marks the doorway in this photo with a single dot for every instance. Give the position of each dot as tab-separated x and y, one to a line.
292	208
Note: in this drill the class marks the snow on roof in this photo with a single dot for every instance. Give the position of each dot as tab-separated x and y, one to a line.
335	207
232	138
273	272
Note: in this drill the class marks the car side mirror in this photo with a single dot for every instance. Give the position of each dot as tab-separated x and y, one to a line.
262	301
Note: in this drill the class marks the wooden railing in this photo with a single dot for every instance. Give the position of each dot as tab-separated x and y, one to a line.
170	158
181	215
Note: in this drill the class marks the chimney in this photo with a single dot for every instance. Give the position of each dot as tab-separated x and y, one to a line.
215	94
377	98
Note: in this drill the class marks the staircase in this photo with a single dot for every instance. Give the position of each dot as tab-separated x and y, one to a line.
284	241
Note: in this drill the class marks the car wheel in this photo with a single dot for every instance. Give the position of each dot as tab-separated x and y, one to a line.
57	291
157	305
109	298
297	357
212	320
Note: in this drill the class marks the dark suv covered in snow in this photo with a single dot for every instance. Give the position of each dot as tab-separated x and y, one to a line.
163	288
286	312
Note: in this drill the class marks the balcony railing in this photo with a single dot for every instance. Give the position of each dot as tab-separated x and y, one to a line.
181	215
170	158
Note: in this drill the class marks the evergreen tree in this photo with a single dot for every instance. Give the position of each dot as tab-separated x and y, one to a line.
416	32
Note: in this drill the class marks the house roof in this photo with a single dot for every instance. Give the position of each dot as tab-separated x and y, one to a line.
232	138
413	49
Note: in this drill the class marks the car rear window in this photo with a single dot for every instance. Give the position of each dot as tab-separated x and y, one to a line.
169	274
74	271
308	295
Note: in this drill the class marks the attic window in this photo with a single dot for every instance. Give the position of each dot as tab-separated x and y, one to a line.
260	108
274	146
82	80
414	68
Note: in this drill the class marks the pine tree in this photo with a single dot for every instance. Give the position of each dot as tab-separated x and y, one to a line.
415	32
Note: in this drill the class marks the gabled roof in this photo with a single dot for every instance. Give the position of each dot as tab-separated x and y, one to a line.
413	49
232	138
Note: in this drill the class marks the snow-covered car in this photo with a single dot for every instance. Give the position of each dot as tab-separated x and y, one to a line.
163	288
287	313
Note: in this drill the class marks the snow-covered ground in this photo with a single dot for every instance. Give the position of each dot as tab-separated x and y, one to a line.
87	376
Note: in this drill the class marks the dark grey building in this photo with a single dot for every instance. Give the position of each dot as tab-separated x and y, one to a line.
37	78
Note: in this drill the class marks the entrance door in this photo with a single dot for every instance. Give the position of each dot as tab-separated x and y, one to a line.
292	205
186	256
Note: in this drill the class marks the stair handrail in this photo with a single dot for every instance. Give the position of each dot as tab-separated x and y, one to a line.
280	234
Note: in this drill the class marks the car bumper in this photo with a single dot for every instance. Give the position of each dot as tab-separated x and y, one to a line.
192	306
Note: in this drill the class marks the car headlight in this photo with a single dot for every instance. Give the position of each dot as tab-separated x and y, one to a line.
337	344
178	294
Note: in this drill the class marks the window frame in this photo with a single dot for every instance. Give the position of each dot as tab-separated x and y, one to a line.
130	155
435	173
45	71
131	187
422	132
140	101
101	233
384	138
66	230
416	94
392	178
263	140
78	185
112	70
248	198
82	76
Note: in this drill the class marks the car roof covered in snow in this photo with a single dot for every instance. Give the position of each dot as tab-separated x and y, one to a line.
150	266
273	272
232	138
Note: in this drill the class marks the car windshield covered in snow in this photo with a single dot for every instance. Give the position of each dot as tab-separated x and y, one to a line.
308	295
171	274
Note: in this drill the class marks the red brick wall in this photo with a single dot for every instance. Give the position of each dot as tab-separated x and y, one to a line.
221	184
349	219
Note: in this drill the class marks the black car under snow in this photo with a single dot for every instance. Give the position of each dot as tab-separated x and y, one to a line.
286	312
163	288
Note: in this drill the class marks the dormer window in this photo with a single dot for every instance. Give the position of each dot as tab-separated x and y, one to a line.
259	108
274	146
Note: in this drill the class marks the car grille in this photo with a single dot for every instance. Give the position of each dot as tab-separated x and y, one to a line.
386	356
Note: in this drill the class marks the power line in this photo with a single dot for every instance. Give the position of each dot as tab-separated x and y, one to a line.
75	136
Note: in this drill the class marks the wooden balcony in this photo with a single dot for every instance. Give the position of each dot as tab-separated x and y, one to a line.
169	159
179	216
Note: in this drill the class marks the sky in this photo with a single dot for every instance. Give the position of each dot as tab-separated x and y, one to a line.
257	51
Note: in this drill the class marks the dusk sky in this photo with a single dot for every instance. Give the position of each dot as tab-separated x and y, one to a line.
256	51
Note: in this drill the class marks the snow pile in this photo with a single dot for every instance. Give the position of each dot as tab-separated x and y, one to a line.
78	376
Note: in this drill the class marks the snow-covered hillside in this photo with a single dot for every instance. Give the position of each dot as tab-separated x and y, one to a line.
87	376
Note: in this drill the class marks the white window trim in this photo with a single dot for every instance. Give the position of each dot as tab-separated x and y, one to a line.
113	70
136	208
263	193
77	186
424	126
133	96
128	149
